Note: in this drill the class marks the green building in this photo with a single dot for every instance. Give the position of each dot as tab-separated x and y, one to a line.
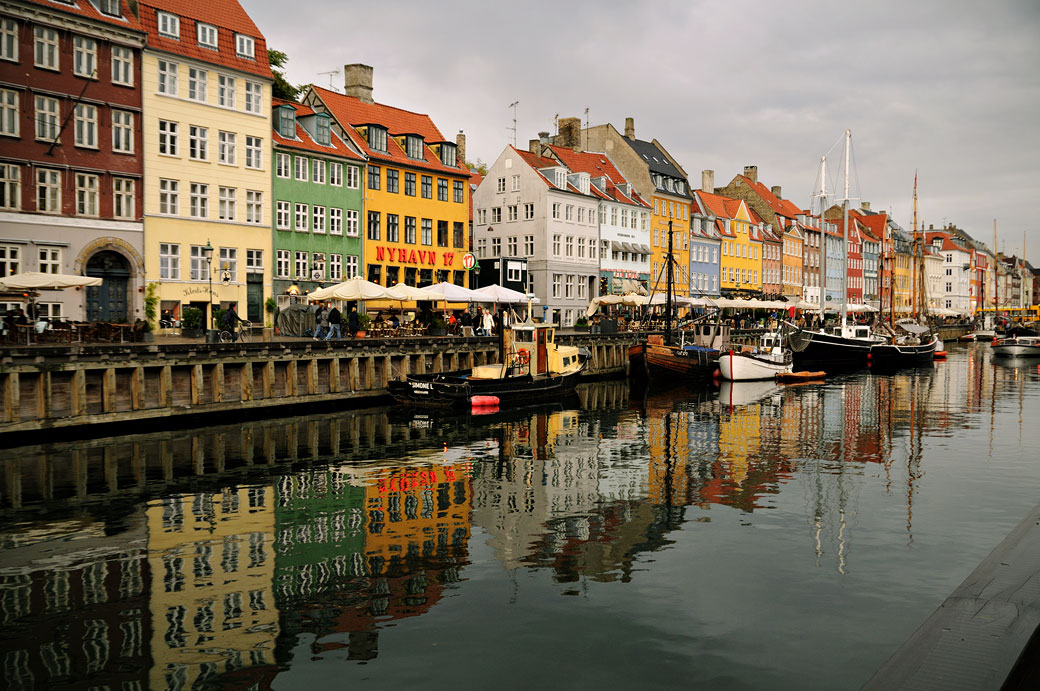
317	201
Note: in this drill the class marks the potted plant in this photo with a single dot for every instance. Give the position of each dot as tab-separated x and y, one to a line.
438	327
192	321
581	324
363	321
151	301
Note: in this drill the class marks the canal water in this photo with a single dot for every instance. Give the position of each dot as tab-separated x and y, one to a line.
743	537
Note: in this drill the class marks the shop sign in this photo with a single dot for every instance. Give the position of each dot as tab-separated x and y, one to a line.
406	256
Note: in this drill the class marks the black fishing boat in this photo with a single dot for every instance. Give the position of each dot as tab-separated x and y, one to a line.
909	345
532	368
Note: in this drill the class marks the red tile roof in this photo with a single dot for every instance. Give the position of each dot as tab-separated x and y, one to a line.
305	142
83	8
229	18
351	113
598	165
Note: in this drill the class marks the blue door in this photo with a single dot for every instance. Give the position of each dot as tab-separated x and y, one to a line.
108	301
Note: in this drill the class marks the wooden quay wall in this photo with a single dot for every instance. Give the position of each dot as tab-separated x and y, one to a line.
63	387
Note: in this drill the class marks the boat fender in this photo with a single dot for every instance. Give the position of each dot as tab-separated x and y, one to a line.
479	401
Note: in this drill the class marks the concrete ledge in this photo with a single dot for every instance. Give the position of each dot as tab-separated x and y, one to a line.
980	633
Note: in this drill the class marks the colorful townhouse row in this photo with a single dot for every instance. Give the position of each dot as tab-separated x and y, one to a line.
592	207
142	145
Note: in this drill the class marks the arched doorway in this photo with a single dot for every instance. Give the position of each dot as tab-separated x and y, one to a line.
108	301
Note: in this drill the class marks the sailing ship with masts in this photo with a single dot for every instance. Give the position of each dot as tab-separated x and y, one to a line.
845	345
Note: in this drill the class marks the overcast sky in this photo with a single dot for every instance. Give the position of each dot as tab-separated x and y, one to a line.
951	89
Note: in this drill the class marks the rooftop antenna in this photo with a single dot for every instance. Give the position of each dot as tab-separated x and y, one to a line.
330	73
556	122
586	128
513	105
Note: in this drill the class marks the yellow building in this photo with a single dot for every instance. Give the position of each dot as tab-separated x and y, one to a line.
741	259
212	561
416	204
206	87
902	272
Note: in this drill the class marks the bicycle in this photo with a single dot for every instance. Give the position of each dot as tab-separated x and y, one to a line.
230	336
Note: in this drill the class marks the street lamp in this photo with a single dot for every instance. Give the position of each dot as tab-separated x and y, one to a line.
207	251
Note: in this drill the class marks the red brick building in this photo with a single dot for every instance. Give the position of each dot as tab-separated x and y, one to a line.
71	152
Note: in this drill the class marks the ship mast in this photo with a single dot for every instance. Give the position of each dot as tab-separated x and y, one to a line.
823	240
845	232
915	247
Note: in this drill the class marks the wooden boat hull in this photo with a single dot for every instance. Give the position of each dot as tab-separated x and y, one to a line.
455	389
649	361
748	367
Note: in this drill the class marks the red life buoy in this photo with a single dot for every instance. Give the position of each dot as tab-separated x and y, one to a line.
522	357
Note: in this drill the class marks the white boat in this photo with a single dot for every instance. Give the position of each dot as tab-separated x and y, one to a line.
979	335
1018	346
764	362
734	394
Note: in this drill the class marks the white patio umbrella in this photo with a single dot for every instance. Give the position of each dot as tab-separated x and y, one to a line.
353	289
34	280
403	292
497	293
449	292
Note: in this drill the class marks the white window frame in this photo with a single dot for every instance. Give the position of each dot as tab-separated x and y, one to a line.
10	113
48	118
283	166
318	219
335	221
227	201
351	223
10	259
198	200
301	168
198	143
254	97
226	148
122	131
225	91
301	262
169	261
254	261
168	138
254	207
46	48
206	35
318	171
254	153
10	186
169	196
122	65
229	261
169	25
84	57
124	198
353	177
335	174
335	267
198	84
85	116
49	259
283	216
350	266
167	83
245	46
48	189
283	262
301	218
8	39
199	266
88	188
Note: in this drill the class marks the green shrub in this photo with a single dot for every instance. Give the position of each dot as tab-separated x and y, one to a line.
193	318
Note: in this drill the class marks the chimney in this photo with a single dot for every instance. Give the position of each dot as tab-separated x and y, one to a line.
460	147
357	82
535	147
543	137
865	206
630	128
775	189
708	181
570	133
751	173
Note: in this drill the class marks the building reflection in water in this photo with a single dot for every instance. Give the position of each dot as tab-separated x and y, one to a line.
174	560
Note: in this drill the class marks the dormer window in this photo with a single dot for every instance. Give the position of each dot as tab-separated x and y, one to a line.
207	35
110	7
169	25
287	122
413	146
244	46
377	138
680	187
323	129
449	156
561	178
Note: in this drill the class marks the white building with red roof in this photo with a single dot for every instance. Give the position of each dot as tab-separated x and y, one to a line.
534	206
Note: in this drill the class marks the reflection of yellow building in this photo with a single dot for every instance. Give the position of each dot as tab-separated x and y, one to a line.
212	562
669	445
740	440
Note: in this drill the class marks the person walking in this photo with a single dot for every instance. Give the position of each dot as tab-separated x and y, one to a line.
487	323
353	323
335	320
321	318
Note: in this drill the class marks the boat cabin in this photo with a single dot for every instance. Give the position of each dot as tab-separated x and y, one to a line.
530	348
849	331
